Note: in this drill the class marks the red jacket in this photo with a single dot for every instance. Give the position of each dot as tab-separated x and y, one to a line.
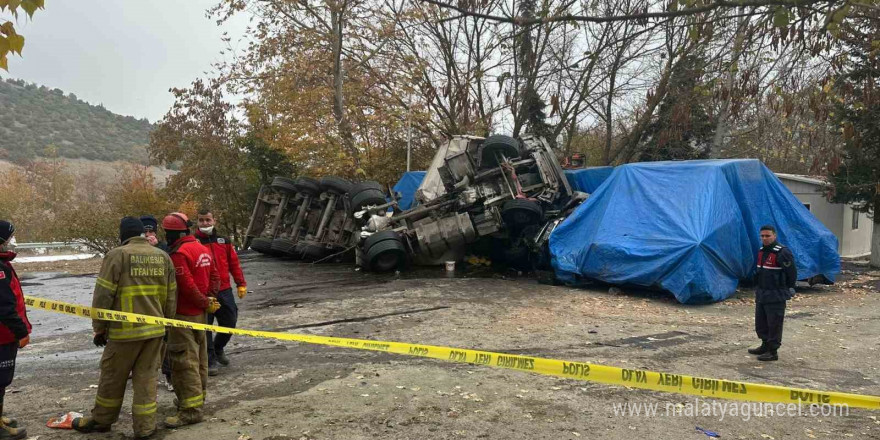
14	324
197	277
224	257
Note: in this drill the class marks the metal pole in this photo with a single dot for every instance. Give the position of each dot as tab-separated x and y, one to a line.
408	134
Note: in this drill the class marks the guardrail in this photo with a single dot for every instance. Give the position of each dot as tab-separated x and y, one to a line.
47	245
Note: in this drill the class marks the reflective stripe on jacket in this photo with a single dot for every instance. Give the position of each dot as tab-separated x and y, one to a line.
136	278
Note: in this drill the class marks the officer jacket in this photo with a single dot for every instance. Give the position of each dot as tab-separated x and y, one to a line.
776	274
224	257
197	276
136	278
14	324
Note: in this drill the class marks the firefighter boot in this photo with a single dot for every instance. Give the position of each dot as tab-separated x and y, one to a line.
88	424
760	350
183	418
11	433
10	422
770	355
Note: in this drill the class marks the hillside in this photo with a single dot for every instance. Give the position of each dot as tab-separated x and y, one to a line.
33	118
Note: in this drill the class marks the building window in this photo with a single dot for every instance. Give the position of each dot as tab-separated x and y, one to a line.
855	220
807	205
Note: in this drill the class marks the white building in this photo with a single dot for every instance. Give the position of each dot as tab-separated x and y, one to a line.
852	228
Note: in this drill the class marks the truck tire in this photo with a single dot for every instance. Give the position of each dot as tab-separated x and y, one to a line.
307	185
386	256
262	245
283	246
381	236
280	183
498	145
367	197
312	250
336	185
518	213
365	185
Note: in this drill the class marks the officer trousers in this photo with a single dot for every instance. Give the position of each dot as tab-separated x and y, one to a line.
227	316
188	354
768	323
141	359
8	353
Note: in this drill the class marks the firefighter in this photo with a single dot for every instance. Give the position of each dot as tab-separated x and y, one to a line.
135	278
15	328
775	278
197	282
226	259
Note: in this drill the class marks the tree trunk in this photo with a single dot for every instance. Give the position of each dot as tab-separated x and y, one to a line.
342	123
875	243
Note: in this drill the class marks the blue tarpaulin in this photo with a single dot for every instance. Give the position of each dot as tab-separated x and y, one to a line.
588	179
690	228
407	186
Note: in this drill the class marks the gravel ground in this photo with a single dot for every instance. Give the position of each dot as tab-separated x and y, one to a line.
277	390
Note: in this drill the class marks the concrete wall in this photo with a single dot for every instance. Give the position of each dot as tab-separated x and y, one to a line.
856	242
830	214
836	217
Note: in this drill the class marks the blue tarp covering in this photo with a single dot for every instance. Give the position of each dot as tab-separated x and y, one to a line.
690	228
407	186
588	179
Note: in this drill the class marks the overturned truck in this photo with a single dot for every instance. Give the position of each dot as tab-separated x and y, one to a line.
496	196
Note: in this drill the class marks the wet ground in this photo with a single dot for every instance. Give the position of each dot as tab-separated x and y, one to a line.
279	390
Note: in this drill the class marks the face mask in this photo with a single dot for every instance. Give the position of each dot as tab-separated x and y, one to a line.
9	246
207	230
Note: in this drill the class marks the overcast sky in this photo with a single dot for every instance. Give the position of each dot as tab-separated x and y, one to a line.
124	54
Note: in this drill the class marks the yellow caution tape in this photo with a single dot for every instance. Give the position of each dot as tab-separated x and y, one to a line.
648	380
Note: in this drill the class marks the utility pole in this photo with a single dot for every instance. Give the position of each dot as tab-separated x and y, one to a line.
408	134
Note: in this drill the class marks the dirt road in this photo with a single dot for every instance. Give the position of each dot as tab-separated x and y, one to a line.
286	390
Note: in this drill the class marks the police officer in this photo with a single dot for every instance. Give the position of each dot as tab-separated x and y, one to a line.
15	328
136	278
198	283
775	278
151	229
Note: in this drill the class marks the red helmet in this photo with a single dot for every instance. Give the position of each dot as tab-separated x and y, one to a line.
176	221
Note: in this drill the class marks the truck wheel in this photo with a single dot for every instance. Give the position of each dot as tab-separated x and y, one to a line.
314	250
381	236
386	255
283	246
367	197
307	185
357	188
283	184
335	184
498	145
518	213
262	245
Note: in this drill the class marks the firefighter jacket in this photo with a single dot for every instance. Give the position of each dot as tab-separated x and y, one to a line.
136	278
14	324
224	257
197	276
776	274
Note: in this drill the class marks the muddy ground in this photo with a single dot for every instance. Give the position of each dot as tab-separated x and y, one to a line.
278	390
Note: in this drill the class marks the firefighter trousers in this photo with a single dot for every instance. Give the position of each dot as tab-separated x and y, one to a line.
188	355
141	359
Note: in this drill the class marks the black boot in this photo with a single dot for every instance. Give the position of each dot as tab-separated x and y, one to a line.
770	355
760	350
88	424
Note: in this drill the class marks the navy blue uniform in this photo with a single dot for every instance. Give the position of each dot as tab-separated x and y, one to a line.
775	278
